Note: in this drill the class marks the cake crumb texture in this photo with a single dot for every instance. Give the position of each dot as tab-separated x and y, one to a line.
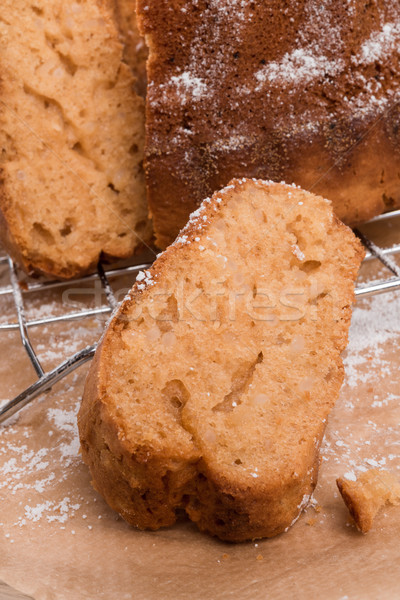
72	135
211	389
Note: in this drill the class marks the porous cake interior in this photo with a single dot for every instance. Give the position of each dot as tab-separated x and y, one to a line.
231	355
72	135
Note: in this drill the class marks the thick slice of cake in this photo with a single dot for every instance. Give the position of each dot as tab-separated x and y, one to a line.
305	91
72	135
211	388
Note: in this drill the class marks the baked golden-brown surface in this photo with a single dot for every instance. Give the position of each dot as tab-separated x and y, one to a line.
211	388
367	494
72	134
304	91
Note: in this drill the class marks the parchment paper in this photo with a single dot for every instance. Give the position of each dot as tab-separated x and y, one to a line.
58	539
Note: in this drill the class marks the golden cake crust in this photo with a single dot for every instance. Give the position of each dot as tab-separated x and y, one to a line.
305	92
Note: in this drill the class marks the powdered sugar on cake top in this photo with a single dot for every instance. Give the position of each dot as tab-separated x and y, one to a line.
319	55
380	44
188	85
308	62
298	66
144	279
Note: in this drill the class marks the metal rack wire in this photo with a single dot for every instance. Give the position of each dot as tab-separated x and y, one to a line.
20	293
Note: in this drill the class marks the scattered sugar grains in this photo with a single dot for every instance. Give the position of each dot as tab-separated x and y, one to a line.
34	469
371	396
27	470
39	449
144	279
373	324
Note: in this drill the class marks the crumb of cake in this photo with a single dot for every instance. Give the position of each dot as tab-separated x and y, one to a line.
367	494
192	321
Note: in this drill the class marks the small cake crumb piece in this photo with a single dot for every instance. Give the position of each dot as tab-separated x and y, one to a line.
365	496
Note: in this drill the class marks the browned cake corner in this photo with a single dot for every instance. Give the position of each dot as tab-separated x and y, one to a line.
72	135
370	492
212	386
135	49
304	91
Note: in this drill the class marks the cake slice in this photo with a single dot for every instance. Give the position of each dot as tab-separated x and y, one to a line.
72	135
212	386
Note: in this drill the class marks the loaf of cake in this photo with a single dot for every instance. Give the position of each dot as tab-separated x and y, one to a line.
211	388
305	92
72	135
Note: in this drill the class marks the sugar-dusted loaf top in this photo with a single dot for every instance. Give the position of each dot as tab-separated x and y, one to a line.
316	58
211	388
303	91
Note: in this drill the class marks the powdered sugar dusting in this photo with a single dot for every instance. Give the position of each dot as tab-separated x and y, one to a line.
321	56
308	63
297	252
51	511
27	468
198	220
198	78
188	85
225	11
373	325
298	67
144	279
306	500
364	427
39	447
380	45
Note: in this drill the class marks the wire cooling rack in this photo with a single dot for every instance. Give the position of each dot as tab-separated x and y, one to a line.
20	290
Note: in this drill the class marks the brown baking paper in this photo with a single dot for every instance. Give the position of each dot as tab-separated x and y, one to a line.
59	540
